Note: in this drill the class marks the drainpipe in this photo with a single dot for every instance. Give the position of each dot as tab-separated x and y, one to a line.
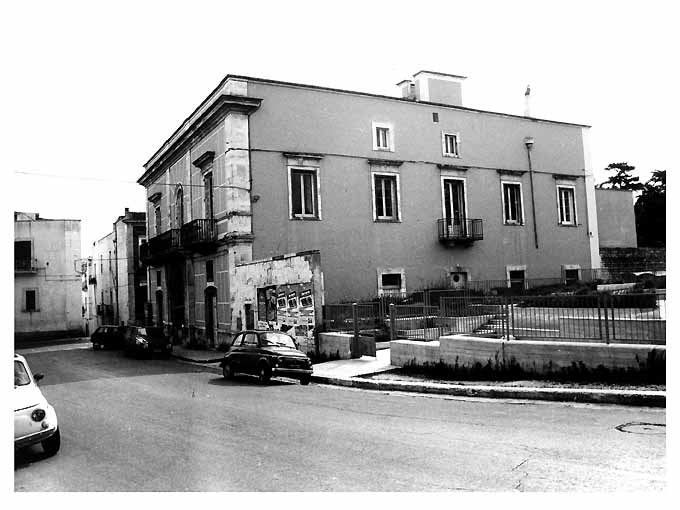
529	143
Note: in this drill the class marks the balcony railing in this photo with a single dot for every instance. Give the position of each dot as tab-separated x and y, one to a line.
25	266
198	232
464	231
159	247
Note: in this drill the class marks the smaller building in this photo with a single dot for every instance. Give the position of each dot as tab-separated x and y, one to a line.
616	218
115	276
47	281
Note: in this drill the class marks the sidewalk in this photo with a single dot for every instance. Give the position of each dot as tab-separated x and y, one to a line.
353	373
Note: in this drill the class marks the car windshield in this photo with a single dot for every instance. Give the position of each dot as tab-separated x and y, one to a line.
277	339
21	377
150	331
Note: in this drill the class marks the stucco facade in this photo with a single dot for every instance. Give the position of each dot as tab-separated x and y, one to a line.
47	281
396	194
116	279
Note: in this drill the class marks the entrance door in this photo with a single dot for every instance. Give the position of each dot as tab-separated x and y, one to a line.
211	315
159	308
175	276
454	206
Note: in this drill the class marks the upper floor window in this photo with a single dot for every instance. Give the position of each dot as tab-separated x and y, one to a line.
304	192
109	261
208	195
179	207
451	145
157	219
513	210
209	271
383	136
566	205
22	255
386	197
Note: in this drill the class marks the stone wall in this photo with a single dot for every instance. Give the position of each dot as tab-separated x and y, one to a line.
624	258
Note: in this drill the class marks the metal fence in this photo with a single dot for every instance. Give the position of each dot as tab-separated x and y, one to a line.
623	318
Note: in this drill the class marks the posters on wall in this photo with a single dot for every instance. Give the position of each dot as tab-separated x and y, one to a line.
288	308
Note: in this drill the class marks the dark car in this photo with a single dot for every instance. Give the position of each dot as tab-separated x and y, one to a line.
107	337
266	354
144	341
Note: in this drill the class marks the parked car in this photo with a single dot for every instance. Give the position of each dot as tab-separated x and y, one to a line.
266	354
107	337
35	421
144	341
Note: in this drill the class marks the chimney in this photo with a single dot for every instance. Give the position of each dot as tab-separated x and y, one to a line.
127	212
527	97
437	87
408	89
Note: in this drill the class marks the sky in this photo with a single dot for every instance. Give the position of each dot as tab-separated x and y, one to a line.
97	87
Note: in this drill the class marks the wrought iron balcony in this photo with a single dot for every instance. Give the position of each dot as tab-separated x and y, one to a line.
199	233
464	231
25	266
161	247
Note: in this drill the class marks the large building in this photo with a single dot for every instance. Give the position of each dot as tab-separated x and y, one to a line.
116	278
47	281
396	193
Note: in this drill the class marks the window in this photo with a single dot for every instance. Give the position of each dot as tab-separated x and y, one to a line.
157	219
566	205
450	144
109	261
391	281
304	193
209	271
158	278
31	300
208	195
513	210
22	256
516	277
453	200
386	197
435	117
571	273
383	136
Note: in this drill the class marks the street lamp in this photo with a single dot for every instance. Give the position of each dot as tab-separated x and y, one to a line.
529	144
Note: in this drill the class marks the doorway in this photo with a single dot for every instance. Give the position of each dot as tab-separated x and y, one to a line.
454	206
211	315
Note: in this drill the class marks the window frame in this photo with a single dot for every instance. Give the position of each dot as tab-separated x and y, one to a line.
443	180
36	303
511	268
520	209
396	208
389	138
391	270
445	152
208	193
302	169
560	210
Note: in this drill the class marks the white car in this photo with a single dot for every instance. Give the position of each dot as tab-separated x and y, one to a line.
35	421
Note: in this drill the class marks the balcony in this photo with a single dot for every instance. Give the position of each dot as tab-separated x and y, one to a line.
459	232
199	234
25	266
162	247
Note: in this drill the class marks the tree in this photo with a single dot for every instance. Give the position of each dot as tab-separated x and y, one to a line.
650	211
622	179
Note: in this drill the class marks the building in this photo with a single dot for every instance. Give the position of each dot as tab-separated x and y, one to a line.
116	278
47	281
616	218
396	194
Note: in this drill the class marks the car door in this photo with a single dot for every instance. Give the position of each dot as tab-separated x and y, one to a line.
249	352
234	355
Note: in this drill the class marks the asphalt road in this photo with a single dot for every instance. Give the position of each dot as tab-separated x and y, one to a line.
162	425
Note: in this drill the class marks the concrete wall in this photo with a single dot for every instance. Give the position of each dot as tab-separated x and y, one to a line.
616	218
335	345
532	356
338	126
56	280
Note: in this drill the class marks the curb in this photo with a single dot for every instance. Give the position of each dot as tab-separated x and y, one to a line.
582	396
190	360
619	397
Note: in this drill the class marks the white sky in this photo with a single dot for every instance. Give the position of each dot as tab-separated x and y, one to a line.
96	87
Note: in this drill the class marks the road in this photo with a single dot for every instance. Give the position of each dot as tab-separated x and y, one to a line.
163	425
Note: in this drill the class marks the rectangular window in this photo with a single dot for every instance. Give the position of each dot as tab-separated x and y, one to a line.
571	275
566	205
512	204
22	256
303	193
158	278
516	279
31	301
208	195
209	271
450	144
383	136
385	199
157	219
391	282
109	261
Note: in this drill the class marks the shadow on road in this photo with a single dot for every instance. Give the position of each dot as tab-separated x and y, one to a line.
26	456
248	380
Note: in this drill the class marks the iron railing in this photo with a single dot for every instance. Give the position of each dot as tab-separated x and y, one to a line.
457	231
198	232
160	246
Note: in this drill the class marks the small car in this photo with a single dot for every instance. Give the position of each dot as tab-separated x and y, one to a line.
35	421
266	354
107	337
144	341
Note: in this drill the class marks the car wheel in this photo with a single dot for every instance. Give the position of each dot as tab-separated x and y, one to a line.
51	444
305	380
227	371
264	374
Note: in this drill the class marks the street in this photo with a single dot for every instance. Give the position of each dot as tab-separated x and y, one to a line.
163	425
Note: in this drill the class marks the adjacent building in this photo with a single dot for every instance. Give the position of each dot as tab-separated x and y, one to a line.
116	279
47	281
394	194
